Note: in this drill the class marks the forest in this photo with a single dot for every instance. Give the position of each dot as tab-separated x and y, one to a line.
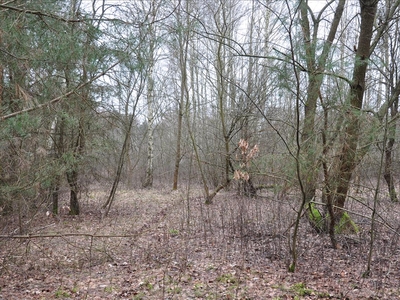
187	149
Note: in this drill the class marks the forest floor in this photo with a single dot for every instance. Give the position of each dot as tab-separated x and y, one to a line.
158	244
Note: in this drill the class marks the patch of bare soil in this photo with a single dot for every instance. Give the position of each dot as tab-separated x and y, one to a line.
165	245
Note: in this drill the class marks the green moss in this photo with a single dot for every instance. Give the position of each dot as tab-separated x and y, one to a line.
301	290
316	218
227	278
61	293
292	268
149	286
199	290
323	295
346	225
174	232
75	289
139	296
174	290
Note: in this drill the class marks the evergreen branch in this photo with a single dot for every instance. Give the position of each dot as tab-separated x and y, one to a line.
40	14
59	98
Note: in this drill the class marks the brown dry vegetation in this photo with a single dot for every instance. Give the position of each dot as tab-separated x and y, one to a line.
157	244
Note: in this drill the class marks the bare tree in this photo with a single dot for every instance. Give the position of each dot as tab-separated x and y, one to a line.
348	156
316	65
182	44
150	36
391	55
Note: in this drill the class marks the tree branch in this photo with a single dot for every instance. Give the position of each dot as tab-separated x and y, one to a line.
40	13
57	99
60	235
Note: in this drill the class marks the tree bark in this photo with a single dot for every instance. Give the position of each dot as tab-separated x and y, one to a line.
224	73
390	59
73	173
183	44
125	148
121	161
1	81
348	156
316	66
178	149
55	195
388	171
222	98
148	182
72	178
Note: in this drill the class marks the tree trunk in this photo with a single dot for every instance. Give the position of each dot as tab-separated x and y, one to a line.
1	82
388	171
2	180
148	181
316	66
121	161
120	165
222	98
348	156
224	73
54	195
1	75
178	149
73	173
78	142
183	44
72	178
390	59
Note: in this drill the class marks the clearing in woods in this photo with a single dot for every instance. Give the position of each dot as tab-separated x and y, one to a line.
158	244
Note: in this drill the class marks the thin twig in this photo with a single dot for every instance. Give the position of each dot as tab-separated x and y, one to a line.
61	235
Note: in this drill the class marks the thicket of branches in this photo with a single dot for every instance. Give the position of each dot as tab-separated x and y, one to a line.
150	93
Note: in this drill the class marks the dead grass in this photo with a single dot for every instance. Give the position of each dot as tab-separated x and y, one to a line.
158	244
